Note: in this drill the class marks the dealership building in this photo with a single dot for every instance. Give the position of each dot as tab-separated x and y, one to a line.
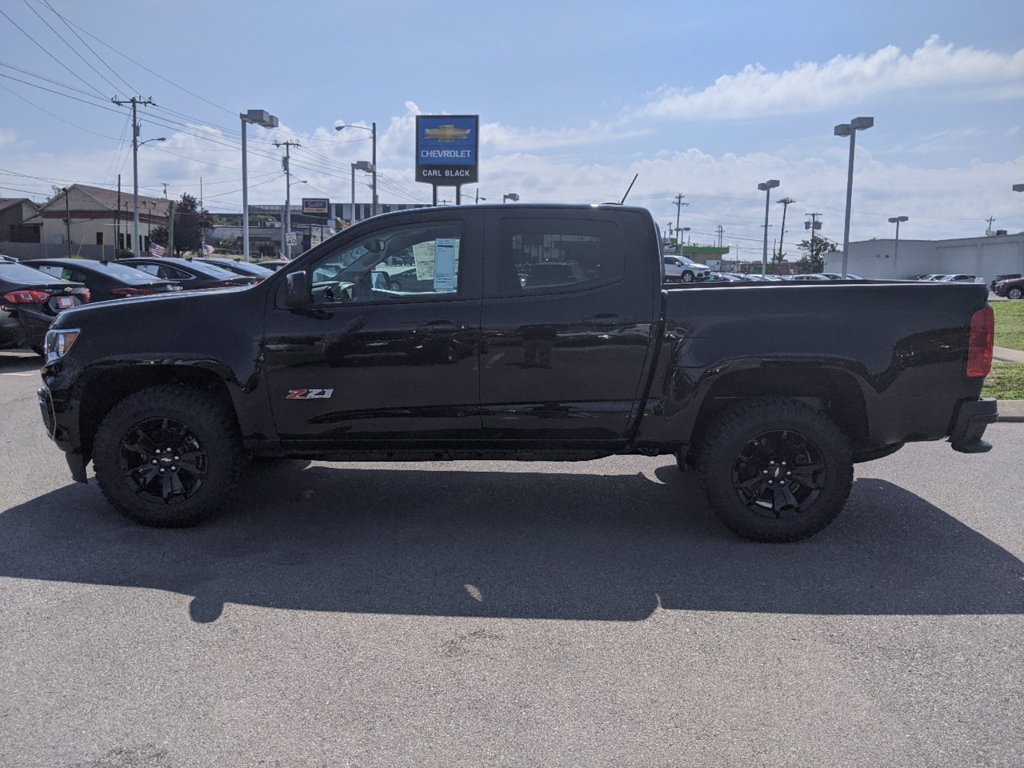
983	257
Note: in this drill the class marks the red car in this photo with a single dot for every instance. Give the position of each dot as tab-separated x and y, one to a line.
1011	289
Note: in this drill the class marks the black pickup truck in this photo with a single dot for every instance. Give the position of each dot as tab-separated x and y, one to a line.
525	332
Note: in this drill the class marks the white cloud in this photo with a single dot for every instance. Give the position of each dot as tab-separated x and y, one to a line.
810	87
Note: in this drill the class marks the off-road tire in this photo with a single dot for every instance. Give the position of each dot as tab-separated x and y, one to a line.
168	456
775	469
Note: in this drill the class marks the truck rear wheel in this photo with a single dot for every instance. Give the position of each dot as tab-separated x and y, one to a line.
167	456
776	469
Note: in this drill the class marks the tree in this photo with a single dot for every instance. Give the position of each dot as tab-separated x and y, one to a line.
190	225
814	261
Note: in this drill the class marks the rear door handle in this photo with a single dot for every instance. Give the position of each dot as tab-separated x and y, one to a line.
443	326
606	319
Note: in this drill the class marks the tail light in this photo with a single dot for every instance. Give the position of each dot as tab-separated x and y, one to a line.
26	297
979	347
86	295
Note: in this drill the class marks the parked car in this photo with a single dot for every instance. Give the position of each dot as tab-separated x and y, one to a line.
105	280
272	264
1000	278
29	301
929	278
812	277
839	276
246	268
681	269
1012	288
959	278
190	274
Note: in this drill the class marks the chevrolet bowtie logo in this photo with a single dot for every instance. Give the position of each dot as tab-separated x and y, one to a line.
446	133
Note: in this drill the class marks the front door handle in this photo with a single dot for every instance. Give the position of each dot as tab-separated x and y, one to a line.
606	319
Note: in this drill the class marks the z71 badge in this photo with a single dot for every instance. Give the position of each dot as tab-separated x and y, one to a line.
310	394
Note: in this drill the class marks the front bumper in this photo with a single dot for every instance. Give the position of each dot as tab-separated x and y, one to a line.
972	417
61	434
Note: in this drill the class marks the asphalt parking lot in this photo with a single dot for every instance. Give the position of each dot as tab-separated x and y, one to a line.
511	614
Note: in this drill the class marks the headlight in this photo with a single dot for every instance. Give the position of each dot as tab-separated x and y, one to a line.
59	343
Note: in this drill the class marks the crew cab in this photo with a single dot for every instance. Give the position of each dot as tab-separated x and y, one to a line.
530	332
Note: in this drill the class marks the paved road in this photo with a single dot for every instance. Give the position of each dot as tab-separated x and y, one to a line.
509	614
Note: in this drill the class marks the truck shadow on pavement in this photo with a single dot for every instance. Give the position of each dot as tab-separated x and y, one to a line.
522	545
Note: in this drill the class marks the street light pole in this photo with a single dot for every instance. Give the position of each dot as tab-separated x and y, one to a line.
373	159
896	247
266	120
366	167
850	129
766	187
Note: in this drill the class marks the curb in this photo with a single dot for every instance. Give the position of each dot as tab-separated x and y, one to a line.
1011	410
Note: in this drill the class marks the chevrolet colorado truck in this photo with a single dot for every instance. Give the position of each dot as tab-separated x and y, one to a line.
525	332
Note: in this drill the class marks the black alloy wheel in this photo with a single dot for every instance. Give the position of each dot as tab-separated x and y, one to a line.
168	456
778	474
776	469
163	459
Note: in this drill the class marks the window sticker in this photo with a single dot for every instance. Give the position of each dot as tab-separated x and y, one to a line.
445	255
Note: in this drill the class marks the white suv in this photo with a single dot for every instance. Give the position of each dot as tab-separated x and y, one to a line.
679	269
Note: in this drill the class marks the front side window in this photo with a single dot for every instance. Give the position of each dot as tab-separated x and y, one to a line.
408	262
541	255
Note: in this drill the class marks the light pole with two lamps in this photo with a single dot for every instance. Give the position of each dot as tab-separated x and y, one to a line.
850	129
373	159
266	120
766	187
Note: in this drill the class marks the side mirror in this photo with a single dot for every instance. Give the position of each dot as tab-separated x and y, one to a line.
296	290
380	280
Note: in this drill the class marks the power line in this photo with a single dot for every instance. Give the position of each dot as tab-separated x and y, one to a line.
44	50
70	47
131	89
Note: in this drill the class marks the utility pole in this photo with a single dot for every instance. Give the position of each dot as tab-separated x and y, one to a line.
785	203
286	222
117	225
679	208
67	218
721	232
135	101
991	220
170	227
812	225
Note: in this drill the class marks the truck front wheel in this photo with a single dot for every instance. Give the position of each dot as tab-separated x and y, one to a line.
167	456
776	469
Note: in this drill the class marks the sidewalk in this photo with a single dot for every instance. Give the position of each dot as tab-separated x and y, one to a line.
1009	410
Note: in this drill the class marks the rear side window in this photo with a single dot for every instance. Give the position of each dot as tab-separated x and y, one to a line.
557	255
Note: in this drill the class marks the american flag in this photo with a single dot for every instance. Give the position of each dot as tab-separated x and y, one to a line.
207	249
155	249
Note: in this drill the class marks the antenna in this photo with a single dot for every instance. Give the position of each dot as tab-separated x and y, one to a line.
623	200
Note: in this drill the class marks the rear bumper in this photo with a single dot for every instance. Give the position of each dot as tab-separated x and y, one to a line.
972	417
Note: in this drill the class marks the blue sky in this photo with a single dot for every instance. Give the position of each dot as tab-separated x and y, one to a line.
574	98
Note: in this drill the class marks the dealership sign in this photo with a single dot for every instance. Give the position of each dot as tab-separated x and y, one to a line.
316	206
447	149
